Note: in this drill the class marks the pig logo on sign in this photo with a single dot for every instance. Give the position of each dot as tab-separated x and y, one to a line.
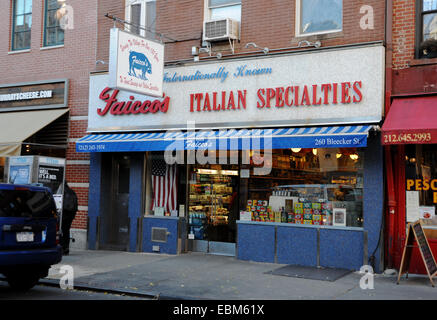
139	61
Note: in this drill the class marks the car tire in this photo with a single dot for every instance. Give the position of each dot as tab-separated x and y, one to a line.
22	283
24	280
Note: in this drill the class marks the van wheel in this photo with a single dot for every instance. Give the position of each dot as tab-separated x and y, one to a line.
22	281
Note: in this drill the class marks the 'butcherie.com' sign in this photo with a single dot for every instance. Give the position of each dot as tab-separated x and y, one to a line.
135	64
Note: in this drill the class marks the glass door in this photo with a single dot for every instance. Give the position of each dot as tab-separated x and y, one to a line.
213	210
115	220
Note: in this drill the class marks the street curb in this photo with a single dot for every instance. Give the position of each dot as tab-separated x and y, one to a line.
134	293
150	295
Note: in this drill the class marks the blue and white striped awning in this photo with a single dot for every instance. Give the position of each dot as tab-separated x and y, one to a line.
230	139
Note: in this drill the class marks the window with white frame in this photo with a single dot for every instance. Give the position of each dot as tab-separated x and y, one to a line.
318	16
222	9
141	13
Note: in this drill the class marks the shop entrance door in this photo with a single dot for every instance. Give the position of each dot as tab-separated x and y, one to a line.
213	210
115	219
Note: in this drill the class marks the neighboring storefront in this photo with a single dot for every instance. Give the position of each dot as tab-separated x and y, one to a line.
34	120
272	158
410	136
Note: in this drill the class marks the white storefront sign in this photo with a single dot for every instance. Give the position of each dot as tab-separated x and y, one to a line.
135	63
326	87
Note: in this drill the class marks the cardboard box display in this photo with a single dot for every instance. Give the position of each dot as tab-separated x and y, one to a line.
307	221
307	205
327	205
317	217
307	216
326	212
298	205
317	205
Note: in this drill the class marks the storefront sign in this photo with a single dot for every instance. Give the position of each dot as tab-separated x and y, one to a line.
116	107
33	95
423	185
286	90
135	64
402	138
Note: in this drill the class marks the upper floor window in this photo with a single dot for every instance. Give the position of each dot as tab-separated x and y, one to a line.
21	24
318	16
427	25
222	9
53	33
141	13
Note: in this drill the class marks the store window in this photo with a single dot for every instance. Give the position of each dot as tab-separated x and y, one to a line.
141	13
310	186
318	16
304	186
21	24
53	33
421	185
222	9
427	28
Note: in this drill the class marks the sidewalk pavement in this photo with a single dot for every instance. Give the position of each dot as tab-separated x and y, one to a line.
198	276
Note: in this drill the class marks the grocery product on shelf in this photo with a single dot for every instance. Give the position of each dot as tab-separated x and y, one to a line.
209	201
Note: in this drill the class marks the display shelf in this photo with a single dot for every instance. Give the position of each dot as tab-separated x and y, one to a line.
209	203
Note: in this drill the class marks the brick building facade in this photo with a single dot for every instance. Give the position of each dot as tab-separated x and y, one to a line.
73	60
411	89
267	34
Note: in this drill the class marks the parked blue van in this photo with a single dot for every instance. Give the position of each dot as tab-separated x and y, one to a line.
29	234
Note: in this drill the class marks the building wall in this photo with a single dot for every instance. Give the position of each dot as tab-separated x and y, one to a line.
74	60
179	25
410	75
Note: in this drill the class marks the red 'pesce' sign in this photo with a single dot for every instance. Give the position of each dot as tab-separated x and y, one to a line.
115	107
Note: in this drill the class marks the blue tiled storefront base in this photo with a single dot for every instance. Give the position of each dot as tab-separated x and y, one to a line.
297	246
341	249
255	242
301	245
171	224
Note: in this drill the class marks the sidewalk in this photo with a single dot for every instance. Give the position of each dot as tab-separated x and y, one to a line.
201	276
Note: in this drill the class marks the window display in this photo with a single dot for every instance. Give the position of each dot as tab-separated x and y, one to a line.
310	186
211	204
421	186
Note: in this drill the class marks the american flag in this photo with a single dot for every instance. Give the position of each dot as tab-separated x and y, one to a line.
164	185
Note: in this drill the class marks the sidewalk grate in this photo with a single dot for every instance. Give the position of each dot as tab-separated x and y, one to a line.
313	273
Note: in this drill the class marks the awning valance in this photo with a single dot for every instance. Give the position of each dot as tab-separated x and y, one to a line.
16	127
233	139
410	121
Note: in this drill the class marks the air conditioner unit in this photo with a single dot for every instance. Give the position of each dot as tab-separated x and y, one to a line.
223	29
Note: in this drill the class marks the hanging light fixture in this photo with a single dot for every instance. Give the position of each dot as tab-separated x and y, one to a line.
338	155
354	156
315	152
296	150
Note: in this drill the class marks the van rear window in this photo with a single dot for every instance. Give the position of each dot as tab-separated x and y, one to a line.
27	203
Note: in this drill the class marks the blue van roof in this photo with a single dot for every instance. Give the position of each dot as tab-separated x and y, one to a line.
10	186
